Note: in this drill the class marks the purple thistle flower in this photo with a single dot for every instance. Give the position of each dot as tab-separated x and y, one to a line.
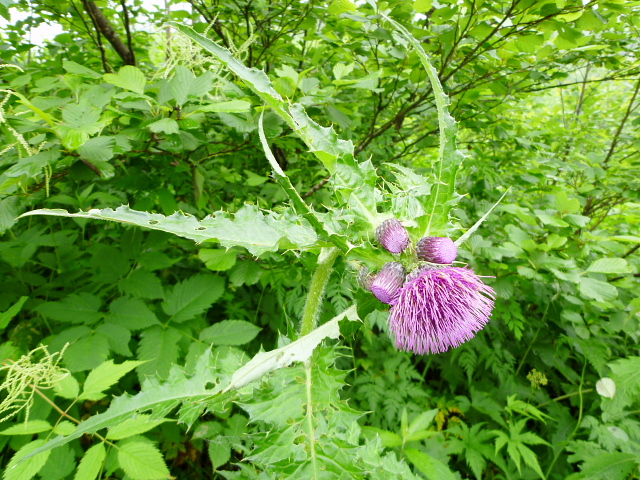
392	235
387	284
364	278
440	308
437	250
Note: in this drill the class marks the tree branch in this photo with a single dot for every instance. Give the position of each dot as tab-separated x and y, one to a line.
104	26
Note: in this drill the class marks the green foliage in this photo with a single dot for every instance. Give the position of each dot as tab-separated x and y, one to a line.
510	127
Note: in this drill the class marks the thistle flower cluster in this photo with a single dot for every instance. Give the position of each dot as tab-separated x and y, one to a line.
436	307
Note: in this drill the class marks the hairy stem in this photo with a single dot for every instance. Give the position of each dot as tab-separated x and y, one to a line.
316	290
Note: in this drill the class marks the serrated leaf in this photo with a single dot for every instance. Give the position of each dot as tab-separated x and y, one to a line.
218	260
28	428
118	336
607	466
245	272
131	313
104	376
160	347
606	387
65	427
298	351
230	332
233	106
597	290
77	69
98	149
133	426
609	265
129	77
87	353
33	165
68	387
91	463
193	296
165	125
141	460
76	308
248	228
19	469
142	284
433	469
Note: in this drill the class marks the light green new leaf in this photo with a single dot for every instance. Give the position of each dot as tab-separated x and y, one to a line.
91	463
218	260
232	106
433	469
105	376
129	77
248	227
609	265
12	311
28	428
133	426
141	460
193	296
19	469
77	69
68	387
230	332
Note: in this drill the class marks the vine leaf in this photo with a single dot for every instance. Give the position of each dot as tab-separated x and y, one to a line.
248	227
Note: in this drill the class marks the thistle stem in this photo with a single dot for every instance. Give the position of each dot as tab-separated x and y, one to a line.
316	290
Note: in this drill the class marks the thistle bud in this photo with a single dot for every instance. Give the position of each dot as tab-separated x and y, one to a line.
364	278
392	235
386	285
437	250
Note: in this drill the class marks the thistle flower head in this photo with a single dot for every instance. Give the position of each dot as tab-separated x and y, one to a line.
392	235
440	308
365	279
437	250
386	285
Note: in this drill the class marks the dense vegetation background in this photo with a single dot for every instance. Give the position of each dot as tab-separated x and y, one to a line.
121	109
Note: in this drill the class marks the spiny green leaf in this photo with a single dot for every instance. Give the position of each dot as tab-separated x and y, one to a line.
27	462
248	228
433	469
133	426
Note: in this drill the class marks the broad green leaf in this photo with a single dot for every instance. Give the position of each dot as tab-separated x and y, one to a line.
87	353
133	426
77	69
433	469
141	460
12	311
98	149
246	272
230	332
165	125
68	387
104	376
76	308
193	296
131	313
59	465
142	284
26	463
597	290
91	463
185	83
118	336
218	260
32	166
625	374
28	428
65	427
388	439
607	466
129	77
609	265
160	347
248	228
